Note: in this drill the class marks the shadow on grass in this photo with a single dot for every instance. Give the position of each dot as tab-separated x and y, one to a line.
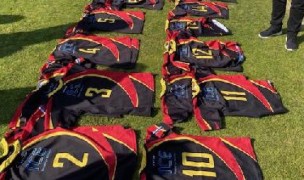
301	39
9	101
14	42
6	19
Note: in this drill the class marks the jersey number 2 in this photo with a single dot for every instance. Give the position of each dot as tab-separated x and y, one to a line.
80	163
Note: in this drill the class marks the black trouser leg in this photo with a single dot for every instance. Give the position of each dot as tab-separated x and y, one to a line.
278	12
295	17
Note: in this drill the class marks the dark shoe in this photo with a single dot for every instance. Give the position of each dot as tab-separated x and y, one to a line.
271	31
291	43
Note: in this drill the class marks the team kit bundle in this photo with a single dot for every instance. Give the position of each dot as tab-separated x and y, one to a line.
43	140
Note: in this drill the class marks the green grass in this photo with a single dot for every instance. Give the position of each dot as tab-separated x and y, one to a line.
28	33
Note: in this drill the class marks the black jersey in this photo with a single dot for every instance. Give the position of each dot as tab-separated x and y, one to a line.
61	102
197	26
120	4
103	93
176	98
234	95
95	152
103	19
174	156
200	8
216	54
215	96
114	52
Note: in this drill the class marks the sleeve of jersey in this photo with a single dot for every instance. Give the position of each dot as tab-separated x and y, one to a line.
273	96
34	126
212	54
61	68
171	66
123	143
202	9
198	27
146	4
176	99
111	20
144	84
114	52
35	101
243	151
208	106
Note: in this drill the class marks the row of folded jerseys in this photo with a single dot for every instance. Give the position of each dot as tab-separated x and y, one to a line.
35	147
110	152
190	84
106	15
43	141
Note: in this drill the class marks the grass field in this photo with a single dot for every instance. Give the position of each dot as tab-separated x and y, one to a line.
29	31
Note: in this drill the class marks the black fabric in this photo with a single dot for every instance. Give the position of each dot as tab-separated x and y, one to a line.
202	9
120	4
213	54
36	162
114	52
112	20
235	95
199	27
295	17
177	100
85	152
183	157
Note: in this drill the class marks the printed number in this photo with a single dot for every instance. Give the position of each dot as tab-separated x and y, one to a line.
200	8
79	163
200	54
234	95
89	50
105	20
105	93
209	163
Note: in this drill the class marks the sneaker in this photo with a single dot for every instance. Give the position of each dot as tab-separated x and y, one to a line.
291	43
271	31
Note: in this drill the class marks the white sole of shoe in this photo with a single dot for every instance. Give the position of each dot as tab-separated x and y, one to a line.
288	49
276	34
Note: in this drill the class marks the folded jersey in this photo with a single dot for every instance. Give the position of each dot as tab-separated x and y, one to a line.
204	54
119	4
104	19
106	152
215	96
182	157
61	102
197	26
200	8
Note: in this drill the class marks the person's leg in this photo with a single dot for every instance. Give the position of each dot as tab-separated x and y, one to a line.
277	15
294	23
